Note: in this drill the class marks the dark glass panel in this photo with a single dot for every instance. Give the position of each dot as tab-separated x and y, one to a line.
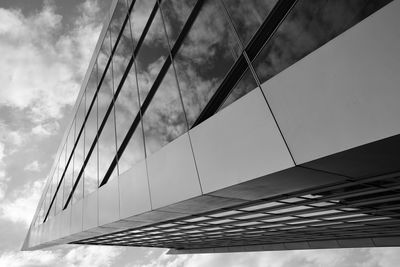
117	20
126	106
69	173
122	55
80	115
91	181
79	157
70	141
175	14
134	151
91	127
246	84
164	119
91	87
248	15
205	57
310	24
107	146
104	96
139	16
151	56
104	55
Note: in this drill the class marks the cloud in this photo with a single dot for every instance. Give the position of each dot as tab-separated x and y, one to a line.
34	166
46	129
3	177
21	205
79	256
367	257
43	62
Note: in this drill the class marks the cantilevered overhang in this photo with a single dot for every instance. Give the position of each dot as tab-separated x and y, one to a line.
310	160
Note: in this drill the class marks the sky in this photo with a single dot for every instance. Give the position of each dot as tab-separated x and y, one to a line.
45	50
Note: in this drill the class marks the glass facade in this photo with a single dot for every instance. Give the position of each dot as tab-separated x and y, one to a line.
165	66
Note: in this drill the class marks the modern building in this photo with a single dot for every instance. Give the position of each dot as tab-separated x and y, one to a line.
233	125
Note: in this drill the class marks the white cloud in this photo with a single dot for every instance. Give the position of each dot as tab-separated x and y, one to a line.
34	166
43	62
46	129
79	256
93	256
21	205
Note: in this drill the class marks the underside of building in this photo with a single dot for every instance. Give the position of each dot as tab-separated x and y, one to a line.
251	126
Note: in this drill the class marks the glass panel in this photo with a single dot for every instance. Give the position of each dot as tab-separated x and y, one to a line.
164	119
91	87
309	25
122	55
134	151
91	173
152	55
175	14
139	16
107	146
104	55
70	141
58	202
248	15
80	115
105	96
91	127
242	87
79	156
205	57
126	106
60	196
117	20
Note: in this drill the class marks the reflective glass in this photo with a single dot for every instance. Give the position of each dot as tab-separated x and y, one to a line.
122	55
126	106
205	57
310	24
164	119
104	96
139	16
80	114
91	179
79	157
151	56
69	173
59	196
246	84
117	20
91	87
175	14
134	151
248	15
91	173
104	55
107	146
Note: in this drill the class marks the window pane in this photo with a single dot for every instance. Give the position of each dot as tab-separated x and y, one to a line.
205	57
122	55
175	13
139	16
246	84
91	173
105	96
126	106
248	15
164	119
309	25
107	146
79	156
91	87
134	151
104	55
151	57
70	141
91	127
117	20
58	201
80	114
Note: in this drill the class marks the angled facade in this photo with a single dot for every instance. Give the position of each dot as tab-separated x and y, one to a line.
229	125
